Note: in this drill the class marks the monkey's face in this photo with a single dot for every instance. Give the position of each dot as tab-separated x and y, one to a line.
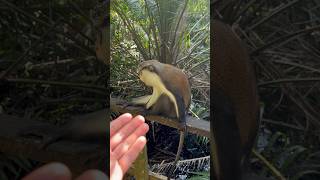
148	76
148	73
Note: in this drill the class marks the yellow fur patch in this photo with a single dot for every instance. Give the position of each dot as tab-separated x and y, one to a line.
153	80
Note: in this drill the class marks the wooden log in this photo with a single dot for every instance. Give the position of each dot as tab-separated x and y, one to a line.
194	125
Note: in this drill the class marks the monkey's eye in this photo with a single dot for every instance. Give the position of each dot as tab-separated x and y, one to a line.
150	68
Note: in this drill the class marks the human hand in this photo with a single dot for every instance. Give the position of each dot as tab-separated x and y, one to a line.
126	141
59	171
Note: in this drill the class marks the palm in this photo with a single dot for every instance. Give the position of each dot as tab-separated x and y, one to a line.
126	141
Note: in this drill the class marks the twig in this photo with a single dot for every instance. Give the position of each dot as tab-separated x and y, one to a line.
273	170
79	45
51	63
280	81
273	14
60	83
22	58
283	124
285	38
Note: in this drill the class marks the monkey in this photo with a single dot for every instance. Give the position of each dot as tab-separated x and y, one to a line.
102	41
234	98
171	95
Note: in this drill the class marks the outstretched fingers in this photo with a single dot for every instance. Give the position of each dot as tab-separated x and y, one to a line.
133	152
126	130
122	148
119	123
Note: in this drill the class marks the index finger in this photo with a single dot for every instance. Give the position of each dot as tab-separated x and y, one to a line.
118	123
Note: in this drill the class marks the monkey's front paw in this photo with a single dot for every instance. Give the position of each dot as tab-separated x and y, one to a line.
145	112
127	104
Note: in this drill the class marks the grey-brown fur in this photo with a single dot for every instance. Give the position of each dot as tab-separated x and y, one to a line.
177	83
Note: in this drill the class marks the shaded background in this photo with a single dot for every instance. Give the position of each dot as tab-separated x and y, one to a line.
48	66
283	38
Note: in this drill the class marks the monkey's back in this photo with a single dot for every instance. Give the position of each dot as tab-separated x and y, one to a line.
233	75
178	82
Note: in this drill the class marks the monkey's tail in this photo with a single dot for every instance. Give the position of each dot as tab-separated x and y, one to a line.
173	167
226	151
182	118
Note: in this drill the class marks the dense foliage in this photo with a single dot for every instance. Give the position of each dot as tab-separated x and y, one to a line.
48	65
49	72
283	38
173	32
